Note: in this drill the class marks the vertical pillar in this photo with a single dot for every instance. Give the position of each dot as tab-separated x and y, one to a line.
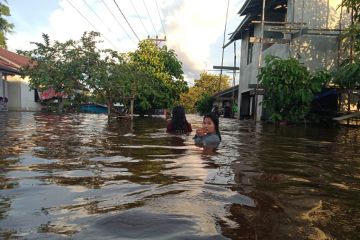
132	108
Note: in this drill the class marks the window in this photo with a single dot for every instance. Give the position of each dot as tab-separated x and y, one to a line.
250	45
36	96
250	52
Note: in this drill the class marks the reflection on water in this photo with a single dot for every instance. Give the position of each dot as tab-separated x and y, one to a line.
80	176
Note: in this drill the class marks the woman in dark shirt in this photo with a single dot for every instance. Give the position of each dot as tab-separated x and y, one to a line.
178	123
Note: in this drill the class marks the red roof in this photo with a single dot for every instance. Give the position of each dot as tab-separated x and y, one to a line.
5	67
12	58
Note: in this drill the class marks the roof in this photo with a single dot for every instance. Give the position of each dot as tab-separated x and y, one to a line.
12	58
255	6
250	6
226	91
240	29
7	68
251	9
10	62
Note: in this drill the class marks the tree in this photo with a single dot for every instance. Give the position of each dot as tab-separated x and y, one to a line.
79	65
346	75
350	36
163	81
205	104
51	67
289	88
107	73
206	85
5	26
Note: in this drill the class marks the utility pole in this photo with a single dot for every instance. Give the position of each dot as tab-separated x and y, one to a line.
260	59
157	40
132	99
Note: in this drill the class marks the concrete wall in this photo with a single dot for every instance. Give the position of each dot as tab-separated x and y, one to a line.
317	13
315	51
21	98
3	92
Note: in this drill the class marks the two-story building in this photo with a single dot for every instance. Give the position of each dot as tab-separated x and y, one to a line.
306	29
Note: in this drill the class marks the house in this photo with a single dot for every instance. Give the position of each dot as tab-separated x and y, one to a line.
306	29
225	100
14	88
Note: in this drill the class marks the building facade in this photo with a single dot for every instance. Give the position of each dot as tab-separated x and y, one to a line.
305	29
13	88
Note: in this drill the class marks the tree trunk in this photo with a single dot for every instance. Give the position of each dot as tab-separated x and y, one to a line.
348	107
61	105
109	106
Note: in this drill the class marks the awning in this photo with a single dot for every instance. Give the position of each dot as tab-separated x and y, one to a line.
49	94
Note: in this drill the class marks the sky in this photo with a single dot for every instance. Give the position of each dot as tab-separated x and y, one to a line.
193	28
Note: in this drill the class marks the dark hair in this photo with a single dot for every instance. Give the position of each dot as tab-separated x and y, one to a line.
215	119
178	119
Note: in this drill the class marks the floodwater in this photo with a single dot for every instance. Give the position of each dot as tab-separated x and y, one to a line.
82	177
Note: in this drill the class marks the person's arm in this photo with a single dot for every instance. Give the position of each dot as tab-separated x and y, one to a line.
199	136
198	140
207	141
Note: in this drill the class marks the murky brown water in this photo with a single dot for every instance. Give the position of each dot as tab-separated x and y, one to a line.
81	177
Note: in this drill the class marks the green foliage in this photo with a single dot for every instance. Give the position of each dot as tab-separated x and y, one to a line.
163	82
151	74
347	75
289	88
351	39
207	84
204	104
49	67
351	34
79	66
5	26
354	6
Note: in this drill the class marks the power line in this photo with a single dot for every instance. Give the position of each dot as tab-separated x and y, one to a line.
91	24
150	17
162	24
95	14
126	20
222	55
118	22
139	17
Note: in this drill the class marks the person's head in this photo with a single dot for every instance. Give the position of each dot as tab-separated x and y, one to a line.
178	119
211	124
178	112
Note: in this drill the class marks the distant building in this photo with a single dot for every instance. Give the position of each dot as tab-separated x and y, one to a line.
12	87
306	29
224	100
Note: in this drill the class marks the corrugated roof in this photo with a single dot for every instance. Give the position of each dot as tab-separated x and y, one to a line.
226	91
250	6
251	9
13	58
5	67
239	30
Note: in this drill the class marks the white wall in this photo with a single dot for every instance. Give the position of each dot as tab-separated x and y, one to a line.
21	98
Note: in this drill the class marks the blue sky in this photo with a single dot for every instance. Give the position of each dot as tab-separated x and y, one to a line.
193	28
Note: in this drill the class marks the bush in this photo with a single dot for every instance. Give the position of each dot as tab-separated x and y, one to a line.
289	88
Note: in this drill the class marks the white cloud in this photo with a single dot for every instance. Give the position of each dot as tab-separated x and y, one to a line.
193	27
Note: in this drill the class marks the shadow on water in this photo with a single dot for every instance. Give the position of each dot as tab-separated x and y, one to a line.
82	176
